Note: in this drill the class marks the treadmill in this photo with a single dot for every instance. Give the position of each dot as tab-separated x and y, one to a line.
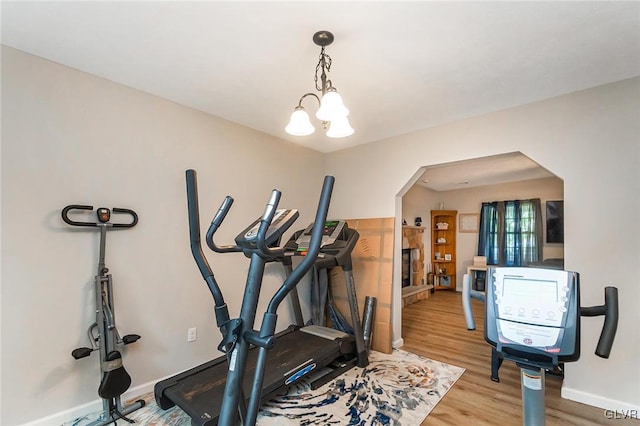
315	353
338	242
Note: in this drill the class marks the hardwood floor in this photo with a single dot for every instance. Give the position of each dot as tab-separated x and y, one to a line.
435	328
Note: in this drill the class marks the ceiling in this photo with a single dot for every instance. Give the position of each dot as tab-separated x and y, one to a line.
400	66
493	170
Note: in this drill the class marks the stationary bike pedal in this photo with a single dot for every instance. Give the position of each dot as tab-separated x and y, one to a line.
130	338
81	353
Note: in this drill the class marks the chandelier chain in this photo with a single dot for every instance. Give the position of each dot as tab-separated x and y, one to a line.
324	63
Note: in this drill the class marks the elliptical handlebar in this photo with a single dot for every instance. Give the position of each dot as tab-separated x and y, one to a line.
194	238
610	312
264	339
314	246
265	222
67	209
215	224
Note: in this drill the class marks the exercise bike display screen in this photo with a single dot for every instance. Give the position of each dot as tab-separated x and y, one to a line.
534	301
530	306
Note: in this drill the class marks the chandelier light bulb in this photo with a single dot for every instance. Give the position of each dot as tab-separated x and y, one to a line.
299	123
340	128
331	107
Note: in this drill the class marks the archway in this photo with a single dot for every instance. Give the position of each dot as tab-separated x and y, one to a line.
462	186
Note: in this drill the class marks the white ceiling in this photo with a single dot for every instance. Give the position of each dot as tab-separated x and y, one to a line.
493	170
400	66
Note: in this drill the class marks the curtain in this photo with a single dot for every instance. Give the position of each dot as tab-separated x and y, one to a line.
510	232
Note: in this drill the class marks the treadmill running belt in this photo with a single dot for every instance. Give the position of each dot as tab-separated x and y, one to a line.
199	391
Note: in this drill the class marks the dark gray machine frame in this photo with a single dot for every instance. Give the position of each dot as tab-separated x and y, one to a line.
259	243
336	248
103	334
533	318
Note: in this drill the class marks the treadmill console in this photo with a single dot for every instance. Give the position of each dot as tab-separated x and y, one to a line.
331	232
533	313
282	220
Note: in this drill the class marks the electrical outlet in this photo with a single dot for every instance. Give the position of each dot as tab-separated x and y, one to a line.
192	334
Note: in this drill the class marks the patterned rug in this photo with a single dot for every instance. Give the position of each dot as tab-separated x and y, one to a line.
397	389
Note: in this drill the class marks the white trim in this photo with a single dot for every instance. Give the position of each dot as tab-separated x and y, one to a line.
396	344
610	406
92	406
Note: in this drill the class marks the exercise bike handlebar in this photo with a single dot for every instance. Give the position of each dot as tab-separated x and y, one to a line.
610	312
67	209
215	224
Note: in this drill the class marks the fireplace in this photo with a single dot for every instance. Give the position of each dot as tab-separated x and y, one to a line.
406	267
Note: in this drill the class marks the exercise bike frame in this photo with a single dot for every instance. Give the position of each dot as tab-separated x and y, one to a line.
114	380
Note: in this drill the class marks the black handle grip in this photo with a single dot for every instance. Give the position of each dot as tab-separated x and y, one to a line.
134	218
67	209
65	215
610	326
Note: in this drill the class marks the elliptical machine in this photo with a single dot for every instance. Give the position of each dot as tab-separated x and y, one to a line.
260	243
314	353
103	334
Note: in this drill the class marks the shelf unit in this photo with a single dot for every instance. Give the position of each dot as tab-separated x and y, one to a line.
443	248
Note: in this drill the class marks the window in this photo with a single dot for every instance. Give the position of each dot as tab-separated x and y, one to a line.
511	232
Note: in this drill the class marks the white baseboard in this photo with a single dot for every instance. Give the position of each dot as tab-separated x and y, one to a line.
611	408
91	407
396	344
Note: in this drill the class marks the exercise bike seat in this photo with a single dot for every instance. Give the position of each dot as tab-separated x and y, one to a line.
115	379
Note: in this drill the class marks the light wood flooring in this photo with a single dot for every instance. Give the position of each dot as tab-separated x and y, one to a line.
435	328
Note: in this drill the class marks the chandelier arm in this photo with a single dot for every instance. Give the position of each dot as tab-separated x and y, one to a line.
308	94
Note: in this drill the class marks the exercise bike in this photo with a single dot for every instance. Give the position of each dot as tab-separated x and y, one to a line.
103	334
533	318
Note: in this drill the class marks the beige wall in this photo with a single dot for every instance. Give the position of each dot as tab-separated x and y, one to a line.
69	137
590	140
72	138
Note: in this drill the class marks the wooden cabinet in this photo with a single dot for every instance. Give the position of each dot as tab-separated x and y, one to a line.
443	248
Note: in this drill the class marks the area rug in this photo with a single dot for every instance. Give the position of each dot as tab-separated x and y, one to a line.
397	389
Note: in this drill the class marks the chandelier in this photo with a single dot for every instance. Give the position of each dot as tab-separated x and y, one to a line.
331	112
